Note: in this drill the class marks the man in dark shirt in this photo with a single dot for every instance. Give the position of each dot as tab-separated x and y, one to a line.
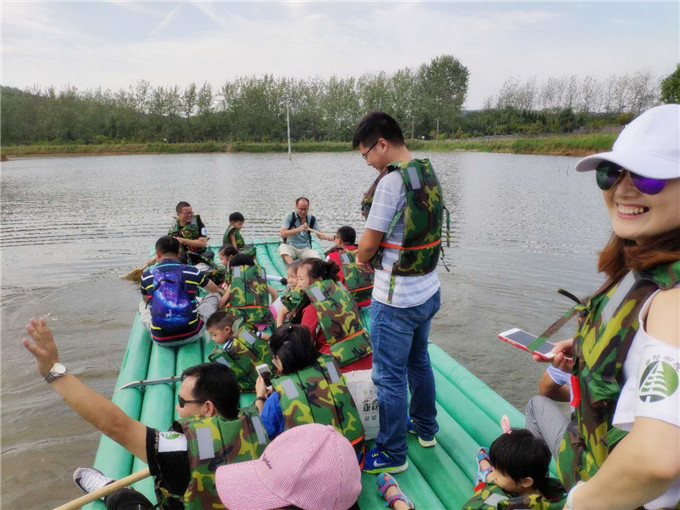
207	390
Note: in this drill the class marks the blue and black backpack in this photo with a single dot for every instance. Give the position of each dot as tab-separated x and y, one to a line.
171	305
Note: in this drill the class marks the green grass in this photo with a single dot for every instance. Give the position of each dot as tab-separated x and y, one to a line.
567	145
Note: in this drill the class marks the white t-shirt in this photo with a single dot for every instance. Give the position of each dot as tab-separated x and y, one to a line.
390	197
651	373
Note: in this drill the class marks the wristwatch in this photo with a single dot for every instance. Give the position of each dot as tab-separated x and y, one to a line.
57	370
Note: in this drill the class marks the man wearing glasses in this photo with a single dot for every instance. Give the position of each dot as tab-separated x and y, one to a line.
402	240
190	231
207	404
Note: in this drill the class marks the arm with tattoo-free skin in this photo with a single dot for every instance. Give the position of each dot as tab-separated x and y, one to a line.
368	247
106	416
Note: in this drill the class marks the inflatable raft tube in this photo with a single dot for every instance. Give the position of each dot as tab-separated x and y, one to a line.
469	414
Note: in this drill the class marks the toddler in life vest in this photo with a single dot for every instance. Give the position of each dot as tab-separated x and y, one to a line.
290	296
232	236
513	473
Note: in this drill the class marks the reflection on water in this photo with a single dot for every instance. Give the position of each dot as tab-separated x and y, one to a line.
521	227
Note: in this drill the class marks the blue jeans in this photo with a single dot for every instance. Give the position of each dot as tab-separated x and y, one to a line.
399	337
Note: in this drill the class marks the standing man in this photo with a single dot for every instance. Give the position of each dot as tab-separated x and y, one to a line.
190	231
402	241
297	240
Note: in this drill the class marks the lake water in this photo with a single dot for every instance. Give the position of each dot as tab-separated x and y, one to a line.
521	227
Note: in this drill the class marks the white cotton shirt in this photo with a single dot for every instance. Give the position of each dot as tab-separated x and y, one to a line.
390	197
651	373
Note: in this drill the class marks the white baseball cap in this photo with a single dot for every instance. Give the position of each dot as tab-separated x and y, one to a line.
648	146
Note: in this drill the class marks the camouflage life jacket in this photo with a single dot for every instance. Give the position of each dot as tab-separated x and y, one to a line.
214	442
319	394
359	283
242	353
420	249
188	231
605	334
294	300
340	321
492	497
241	245
249	295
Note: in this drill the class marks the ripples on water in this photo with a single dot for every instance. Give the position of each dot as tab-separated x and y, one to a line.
521	226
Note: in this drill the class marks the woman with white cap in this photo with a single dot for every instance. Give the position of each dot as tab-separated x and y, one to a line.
622	446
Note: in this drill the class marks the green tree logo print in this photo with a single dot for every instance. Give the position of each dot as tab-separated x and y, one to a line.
659	381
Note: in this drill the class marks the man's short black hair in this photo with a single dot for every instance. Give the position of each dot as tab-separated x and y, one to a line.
217	383
521	454
236	216
242	259
181	205
167	245
347	235
377	125
220	319
292	344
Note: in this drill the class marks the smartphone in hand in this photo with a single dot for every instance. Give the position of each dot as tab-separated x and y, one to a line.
523	340
266	375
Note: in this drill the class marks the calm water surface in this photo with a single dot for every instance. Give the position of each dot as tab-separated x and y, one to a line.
521	227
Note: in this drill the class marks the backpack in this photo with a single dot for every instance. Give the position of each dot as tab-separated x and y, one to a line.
171	305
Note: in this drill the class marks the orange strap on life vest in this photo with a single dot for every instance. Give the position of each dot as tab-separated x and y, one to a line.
409	248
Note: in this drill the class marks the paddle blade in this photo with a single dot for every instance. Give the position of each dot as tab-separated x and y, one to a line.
134	276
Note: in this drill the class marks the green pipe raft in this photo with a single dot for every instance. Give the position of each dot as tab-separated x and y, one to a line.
469	414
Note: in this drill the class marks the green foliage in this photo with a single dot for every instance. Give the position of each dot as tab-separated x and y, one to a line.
670	87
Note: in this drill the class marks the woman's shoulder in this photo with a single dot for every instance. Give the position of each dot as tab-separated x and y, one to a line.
663	318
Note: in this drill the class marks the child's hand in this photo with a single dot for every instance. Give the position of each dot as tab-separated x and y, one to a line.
563	353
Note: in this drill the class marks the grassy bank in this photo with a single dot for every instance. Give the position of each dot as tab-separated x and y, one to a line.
568	145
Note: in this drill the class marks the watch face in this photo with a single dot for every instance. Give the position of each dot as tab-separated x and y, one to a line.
58	369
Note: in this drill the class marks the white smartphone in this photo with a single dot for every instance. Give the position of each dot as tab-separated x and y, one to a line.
523	340
266	374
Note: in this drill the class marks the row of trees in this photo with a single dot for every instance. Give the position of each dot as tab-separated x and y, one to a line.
626	93
247	108
427	101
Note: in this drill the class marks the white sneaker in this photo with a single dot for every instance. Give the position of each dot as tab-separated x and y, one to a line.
90	479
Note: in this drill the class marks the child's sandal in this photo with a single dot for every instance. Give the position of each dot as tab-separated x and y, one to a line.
385	481
482	474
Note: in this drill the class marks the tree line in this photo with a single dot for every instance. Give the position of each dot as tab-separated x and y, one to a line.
427	101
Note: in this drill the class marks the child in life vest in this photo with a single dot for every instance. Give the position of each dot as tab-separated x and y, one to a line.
358	282
232	236
248	290
290	296
513	473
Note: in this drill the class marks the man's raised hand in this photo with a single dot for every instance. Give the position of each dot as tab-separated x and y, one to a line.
43	347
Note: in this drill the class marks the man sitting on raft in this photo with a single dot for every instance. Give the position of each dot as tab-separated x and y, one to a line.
190	232
297	240
169	308
208	397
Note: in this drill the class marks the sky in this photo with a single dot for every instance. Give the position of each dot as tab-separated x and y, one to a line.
114	44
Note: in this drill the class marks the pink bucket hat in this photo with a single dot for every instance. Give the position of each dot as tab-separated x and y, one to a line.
310	466
648	146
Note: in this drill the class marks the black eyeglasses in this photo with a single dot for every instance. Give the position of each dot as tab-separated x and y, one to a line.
183	402
365	154
609	174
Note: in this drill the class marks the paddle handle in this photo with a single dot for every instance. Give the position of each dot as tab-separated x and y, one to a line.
105	491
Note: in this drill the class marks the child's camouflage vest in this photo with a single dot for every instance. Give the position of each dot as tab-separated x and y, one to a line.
420	249
188	231
319	394
359	283
340	321
249	295
492	497
294	300
242	353
213	442
241	245
601	344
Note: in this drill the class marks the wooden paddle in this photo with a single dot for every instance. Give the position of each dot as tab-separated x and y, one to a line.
105	491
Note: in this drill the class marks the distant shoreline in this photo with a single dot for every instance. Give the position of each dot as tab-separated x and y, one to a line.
566	145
